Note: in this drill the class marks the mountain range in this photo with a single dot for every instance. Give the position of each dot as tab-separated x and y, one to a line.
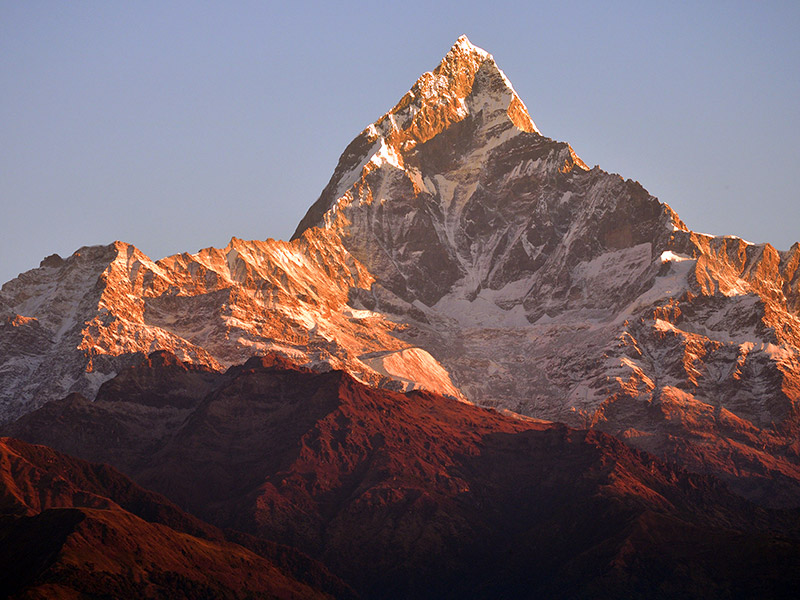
473	345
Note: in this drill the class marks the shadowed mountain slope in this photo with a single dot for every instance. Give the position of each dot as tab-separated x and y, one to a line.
416	495
70	529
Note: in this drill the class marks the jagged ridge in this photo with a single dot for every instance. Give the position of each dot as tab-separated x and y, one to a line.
105	307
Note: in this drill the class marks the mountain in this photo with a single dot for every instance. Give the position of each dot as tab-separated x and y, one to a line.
73	529
417	495
457	249
567	293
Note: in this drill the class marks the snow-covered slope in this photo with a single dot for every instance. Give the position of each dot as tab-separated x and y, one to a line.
73	323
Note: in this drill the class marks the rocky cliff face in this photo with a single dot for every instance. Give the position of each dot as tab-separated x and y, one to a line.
457	249
454	194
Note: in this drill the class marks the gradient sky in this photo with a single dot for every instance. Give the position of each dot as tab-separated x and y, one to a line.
176	125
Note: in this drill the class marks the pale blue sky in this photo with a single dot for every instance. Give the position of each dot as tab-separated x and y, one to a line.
176	125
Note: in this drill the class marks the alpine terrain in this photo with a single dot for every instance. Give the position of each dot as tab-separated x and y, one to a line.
459	251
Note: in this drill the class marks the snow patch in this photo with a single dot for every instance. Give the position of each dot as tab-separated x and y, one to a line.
671	285
414	367
669	256
354	313
386	155
482	311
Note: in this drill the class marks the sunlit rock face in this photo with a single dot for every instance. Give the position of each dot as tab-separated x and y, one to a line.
457	249
71	326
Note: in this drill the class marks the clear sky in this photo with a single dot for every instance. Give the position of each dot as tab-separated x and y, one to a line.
176	125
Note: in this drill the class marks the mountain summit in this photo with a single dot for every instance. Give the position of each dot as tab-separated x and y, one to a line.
457	249
466	83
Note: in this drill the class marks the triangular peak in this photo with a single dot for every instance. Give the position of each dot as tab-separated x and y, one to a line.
442	96
466	83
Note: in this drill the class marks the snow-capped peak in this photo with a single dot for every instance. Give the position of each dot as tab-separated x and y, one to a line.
466	90
463	45
465	51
